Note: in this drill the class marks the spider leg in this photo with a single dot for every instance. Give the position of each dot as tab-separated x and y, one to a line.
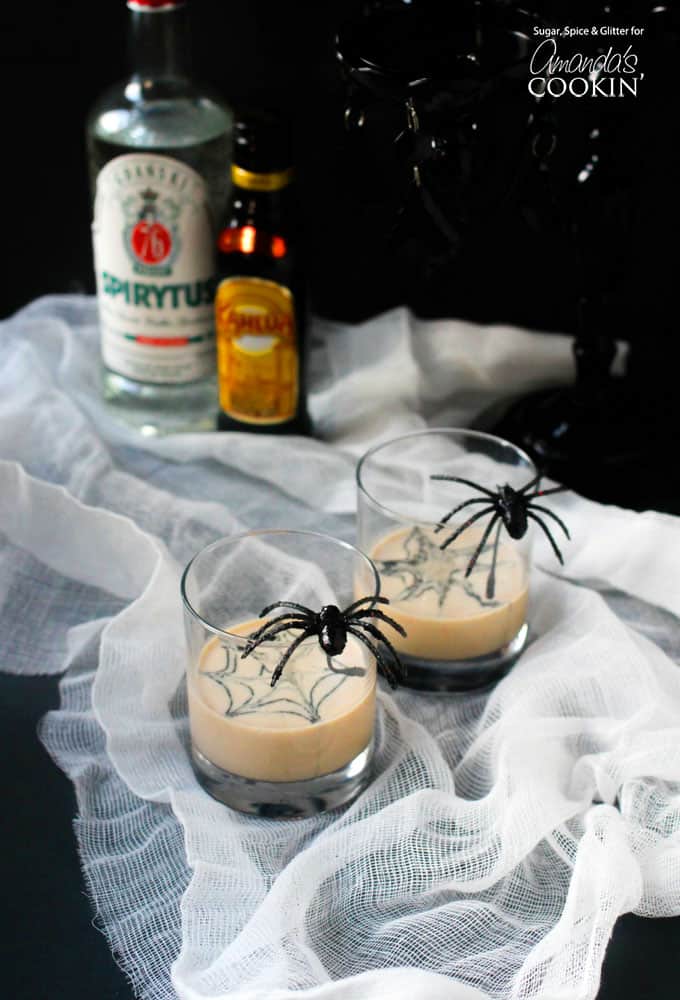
482	542
254	641
374	613
291	616
285	604
491	579
377	634
532	482
365	600
383	666
548	535
464	527
466	503
466	482
544	510
289	652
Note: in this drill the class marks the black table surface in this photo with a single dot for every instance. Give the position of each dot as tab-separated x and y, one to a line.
51	947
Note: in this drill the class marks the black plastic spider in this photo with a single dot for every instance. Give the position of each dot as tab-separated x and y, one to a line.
332	626
511	508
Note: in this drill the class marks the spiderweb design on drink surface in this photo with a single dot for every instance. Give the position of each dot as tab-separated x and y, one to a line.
299	694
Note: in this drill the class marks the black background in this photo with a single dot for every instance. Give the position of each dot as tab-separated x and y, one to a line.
56	58
280	53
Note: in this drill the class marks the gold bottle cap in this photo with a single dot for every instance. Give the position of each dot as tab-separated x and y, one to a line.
260	182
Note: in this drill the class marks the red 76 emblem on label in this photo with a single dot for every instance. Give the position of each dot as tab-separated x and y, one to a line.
151	242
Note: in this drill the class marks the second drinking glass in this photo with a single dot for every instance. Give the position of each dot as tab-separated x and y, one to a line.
465	616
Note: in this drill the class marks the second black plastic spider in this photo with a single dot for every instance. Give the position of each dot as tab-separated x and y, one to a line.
332	626
510	507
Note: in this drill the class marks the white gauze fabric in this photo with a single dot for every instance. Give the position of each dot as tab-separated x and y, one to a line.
504	833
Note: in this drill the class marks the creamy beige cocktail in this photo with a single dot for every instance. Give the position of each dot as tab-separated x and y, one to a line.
316	719
446	615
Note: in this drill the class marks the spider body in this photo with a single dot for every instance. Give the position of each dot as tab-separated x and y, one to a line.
332	626
332	630
512	508
509	507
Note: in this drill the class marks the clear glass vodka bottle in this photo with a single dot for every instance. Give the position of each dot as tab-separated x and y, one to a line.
159	154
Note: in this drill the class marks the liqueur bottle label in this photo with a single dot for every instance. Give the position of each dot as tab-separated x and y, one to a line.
154	260
257	350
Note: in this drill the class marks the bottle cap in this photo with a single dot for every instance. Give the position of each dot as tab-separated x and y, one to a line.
155	5
252	181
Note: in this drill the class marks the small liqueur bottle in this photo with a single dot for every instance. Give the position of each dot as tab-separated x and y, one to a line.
159	150
260	318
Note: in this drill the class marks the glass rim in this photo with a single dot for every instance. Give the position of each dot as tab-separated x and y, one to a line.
253	533
447	431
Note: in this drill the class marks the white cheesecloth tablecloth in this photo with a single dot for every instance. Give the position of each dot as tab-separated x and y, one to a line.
504	832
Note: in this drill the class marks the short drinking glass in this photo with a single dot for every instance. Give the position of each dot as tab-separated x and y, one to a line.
304	744
465	624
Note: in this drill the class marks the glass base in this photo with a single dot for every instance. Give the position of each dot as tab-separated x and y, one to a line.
601	445
463	675
155	410
285	799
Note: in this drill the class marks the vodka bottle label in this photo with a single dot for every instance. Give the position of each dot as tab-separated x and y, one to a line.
154	261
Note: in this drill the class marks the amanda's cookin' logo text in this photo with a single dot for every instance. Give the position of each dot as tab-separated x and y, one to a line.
613	72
